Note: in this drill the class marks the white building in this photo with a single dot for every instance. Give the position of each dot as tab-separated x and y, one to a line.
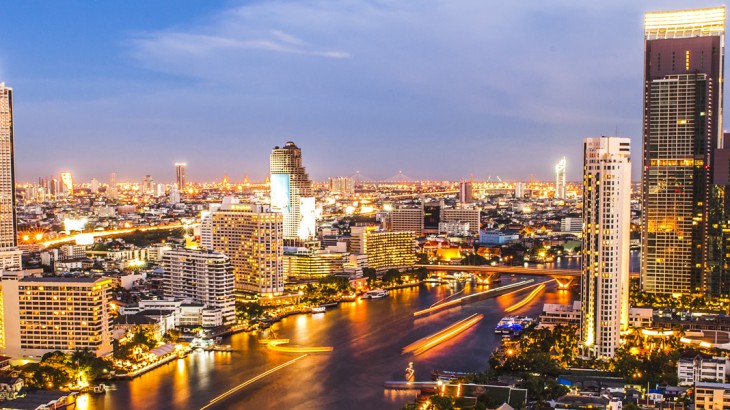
571	224
202	276
701	368
606	243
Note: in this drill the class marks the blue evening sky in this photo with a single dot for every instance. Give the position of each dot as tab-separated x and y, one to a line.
440	89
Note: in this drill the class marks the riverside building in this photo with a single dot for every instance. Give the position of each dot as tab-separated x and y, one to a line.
606	244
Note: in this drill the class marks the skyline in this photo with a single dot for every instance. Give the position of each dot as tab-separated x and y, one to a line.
346	82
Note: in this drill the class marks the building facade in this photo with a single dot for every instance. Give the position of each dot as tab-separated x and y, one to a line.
9	254
203	276
560	179
606	244
701	368
384	249
406	220
44	314
252	237
180	175
289	185
683	67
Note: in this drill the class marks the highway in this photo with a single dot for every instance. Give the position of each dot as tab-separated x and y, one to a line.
113	232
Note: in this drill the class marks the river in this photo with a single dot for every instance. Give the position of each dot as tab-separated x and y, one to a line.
367	337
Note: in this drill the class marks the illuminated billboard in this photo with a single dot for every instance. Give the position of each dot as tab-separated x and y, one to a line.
280	193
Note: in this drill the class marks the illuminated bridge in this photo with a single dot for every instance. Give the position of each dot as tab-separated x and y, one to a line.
488	274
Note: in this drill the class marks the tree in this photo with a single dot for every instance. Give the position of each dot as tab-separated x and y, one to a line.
441	403
371	274
474	259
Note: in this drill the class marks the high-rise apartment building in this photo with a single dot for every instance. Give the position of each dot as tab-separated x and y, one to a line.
252	237
606	244
180	175
466	193
289	185
112	190
9	254
560	179
683	67
67	183
203	276
44	314
344	186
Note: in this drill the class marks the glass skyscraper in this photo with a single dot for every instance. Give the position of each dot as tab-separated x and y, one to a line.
684	57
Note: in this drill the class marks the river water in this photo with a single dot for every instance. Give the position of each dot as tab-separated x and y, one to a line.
367	337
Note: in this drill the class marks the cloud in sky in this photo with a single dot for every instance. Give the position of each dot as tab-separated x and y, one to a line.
437	89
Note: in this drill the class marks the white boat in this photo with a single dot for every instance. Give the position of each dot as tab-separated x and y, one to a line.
319	309
375	294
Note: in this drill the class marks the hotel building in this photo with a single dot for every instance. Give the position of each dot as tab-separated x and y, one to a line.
10	256
44	314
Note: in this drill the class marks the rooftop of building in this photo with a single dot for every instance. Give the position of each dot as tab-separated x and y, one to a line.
62	279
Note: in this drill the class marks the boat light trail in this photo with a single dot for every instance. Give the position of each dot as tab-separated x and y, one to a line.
467	297
526	300
251	380
275	344
428	342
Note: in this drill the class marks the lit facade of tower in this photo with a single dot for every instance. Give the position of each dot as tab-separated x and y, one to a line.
67	183
112	191
606	244
9	254
180	175
684	58
289	185
560	179
466	193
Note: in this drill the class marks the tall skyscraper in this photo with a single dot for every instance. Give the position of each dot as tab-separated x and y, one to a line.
180	175
67	183
606	244
112	191
560	179
9	254
683	67
289	185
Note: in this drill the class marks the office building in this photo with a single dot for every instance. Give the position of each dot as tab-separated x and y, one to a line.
519	190
406	220
560	179
306	264
683	67
44	314
466	215
203	276
606	244
9	254
384	249
94	186
180	175
252	237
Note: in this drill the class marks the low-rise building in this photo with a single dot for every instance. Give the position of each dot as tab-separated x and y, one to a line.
497	237
712	396
697	367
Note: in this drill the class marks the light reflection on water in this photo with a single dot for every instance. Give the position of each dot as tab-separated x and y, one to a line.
367	337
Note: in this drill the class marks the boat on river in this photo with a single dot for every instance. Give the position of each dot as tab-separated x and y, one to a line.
512	325
319	309
375	294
